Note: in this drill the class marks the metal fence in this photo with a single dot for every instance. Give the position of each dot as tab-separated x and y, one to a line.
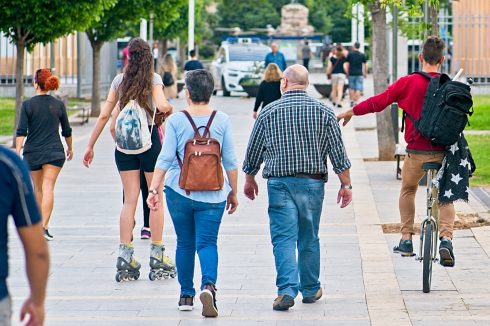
61	56
467	46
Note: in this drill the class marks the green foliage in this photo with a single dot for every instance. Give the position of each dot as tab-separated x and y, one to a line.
248	14
7	111
480	120
33	21
479	145
115	21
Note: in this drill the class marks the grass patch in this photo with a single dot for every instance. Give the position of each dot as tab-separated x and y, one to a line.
7	113
480	120
480	149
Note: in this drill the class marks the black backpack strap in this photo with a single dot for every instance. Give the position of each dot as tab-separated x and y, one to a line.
423	73
403	121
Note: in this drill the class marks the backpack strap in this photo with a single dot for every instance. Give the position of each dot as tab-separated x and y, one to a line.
423	73
193	124
210	121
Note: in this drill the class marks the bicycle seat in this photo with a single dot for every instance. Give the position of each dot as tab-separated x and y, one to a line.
431	166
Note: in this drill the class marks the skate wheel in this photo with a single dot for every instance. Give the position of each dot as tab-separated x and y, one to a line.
136	275
173	275
152	276
118	277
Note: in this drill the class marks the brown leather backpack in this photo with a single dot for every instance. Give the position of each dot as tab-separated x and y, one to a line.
201	169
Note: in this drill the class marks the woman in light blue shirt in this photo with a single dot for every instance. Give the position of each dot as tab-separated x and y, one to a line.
196	215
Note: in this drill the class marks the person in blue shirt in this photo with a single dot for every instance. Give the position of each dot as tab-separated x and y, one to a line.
18	200
276	57
196	214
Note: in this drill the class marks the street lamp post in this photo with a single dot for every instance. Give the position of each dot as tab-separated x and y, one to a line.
190	42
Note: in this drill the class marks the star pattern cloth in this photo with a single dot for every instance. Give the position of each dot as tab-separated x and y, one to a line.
452	180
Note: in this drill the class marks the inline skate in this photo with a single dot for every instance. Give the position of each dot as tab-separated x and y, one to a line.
128	269
160	265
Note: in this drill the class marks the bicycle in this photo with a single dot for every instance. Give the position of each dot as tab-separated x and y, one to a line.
429	228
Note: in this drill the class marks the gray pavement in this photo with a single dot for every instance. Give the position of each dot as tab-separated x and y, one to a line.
363	282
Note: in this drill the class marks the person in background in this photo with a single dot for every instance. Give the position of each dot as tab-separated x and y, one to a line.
193	63
357	69
168	71
196	214
275	57
125	58
155	55
306	55
295	136
335	69
18	200
40	120
269	88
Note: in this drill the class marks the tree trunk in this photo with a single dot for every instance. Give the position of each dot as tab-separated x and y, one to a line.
386	137
19	84
95	105
434	15
162	50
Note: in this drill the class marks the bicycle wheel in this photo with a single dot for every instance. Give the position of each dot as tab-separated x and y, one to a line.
427	259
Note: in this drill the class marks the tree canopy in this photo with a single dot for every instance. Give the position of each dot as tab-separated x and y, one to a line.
31	21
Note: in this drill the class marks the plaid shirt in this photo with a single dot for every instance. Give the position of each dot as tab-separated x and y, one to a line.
293	135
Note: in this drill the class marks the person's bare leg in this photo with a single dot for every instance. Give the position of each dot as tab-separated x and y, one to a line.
156	217
357	96
131	186
352	95
50	175
340	92
334	94
37	180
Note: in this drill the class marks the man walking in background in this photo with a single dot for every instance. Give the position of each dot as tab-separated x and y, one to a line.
275	57
193	63
18	200
295	136
306	54
357	69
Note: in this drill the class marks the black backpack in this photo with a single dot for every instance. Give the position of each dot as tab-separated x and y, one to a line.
168	79
447	104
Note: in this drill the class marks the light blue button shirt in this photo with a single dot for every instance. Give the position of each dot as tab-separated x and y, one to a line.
178	131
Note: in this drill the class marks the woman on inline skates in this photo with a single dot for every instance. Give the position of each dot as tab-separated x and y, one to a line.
139	83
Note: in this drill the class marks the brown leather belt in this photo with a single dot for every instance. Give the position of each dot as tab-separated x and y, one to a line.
310	176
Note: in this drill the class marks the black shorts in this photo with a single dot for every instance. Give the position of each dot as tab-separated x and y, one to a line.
37	167
144	161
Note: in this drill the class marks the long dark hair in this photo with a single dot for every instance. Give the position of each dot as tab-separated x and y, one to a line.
138	76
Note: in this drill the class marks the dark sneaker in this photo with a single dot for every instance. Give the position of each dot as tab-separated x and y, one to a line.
446	253
208	300
283	302
145	233
405	248
313	298
352	104
339	106
186	302
47	235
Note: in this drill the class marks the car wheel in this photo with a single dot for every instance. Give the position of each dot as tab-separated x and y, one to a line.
223	87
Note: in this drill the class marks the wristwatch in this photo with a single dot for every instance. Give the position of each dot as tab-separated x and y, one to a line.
153	191
346	187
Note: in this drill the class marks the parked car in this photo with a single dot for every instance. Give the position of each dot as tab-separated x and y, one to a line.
234	62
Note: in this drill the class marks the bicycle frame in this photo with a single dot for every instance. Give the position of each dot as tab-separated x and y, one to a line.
432	215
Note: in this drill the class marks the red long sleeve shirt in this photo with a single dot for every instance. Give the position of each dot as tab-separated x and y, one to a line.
408	92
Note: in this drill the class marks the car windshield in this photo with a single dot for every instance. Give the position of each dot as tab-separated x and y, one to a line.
248	53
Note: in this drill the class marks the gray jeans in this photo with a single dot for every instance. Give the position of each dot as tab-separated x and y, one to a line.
5	311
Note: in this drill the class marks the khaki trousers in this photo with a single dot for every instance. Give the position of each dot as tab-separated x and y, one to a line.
412	172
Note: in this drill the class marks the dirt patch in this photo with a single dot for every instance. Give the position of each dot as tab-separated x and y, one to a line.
462	222
365	129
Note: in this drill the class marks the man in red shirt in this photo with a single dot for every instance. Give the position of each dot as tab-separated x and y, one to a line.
409	92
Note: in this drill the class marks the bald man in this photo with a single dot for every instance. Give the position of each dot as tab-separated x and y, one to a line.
275	57
294	136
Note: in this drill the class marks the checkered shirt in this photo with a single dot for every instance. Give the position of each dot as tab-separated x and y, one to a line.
295	134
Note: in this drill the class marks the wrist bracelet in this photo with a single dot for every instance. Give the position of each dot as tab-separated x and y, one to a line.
346	187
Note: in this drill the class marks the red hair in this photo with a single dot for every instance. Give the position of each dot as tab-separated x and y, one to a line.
46	81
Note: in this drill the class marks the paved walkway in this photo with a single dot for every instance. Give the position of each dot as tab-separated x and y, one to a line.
364	283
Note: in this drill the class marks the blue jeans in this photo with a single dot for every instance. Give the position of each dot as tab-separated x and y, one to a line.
295	207
196	225
356	83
